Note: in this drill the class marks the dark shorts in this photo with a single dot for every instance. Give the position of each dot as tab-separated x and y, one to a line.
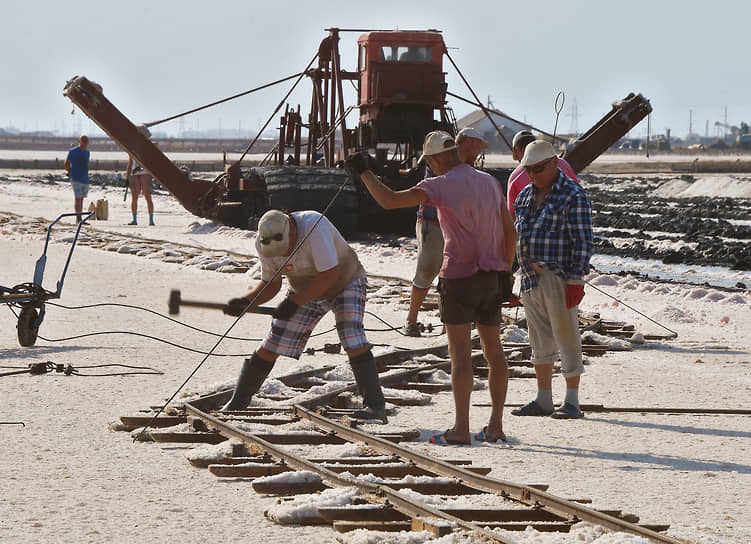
477	298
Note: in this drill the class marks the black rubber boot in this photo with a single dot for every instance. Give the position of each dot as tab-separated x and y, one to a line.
366	376
254	372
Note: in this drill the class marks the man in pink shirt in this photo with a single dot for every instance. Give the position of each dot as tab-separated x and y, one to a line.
479	247
519	179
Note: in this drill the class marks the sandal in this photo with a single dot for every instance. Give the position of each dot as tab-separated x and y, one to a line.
531	409
482	436
443	440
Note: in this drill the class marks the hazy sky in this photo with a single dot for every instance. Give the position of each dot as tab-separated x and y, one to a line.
158	57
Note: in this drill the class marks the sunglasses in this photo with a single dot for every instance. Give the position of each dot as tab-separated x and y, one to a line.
276	238
536	169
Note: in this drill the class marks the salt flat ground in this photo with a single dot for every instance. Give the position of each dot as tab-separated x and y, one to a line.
67	478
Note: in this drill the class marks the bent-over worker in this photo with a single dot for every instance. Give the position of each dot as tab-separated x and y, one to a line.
324	274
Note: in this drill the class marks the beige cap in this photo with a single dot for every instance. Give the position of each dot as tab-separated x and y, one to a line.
469	132
437	142
273	233
537	151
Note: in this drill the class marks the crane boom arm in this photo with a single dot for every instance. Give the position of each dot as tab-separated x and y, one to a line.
624	115
194	195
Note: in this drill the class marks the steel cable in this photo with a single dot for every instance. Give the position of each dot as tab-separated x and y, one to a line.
238	95
675	334
278	107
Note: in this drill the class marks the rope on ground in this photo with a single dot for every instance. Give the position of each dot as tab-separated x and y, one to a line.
150	337
135	307
675	334
393	328
70	370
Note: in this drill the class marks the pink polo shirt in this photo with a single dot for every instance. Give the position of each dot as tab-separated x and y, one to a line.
469	210
519	179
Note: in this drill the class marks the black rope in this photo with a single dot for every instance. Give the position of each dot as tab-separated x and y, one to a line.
134	307
132	333
238	95
137	370
397	329
675	334
70	370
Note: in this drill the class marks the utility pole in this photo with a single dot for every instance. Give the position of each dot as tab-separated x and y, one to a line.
690	122
726	121
574	114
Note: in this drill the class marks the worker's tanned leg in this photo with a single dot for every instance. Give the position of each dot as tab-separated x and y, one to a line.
497	378
460	350
415	301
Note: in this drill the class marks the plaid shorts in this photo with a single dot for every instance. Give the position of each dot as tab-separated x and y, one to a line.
290	337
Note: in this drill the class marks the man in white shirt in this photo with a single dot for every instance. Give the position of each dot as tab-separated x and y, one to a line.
324	274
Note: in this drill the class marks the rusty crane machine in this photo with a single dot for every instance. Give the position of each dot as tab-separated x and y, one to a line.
401	96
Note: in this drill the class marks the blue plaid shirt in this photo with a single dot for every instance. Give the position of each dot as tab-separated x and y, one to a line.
557	236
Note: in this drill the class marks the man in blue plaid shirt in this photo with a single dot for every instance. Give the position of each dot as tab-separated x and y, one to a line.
554	233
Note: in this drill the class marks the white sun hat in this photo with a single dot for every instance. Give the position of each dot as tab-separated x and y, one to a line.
537	151
469	132
437	142
273	233
523	137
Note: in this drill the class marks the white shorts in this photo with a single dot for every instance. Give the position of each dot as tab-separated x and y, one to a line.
553	328
429	254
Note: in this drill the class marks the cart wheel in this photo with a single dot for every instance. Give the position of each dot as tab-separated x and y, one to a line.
27	332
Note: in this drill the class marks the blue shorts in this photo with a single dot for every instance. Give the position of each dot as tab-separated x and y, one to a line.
290	337
80	190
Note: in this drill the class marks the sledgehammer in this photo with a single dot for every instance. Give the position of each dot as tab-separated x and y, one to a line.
175	301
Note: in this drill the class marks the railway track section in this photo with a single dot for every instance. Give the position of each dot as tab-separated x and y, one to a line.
283	447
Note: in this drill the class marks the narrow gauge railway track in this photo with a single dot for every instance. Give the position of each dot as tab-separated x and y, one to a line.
516	506
267	440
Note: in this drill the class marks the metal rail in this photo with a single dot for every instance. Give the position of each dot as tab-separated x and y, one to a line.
406	505
523	493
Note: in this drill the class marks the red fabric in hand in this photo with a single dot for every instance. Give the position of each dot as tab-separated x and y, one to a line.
574	295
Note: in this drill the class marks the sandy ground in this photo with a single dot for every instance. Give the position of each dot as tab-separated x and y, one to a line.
67	478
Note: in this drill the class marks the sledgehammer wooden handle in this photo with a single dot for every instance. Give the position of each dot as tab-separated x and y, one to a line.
176	300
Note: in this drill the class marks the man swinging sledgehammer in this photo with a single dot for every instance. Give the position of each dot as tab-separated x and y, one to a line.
324	274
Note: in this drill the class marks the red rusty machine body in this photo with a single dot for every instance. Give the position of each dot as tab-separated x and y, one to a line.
401	96
402	89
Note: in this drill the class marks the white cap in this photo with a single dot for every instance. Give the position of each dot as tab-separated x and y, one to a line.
537	151
469	132
437	142
523	135
273	233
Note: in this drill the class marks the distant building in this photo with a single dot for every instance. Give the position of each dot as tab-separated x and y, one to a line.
480	122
